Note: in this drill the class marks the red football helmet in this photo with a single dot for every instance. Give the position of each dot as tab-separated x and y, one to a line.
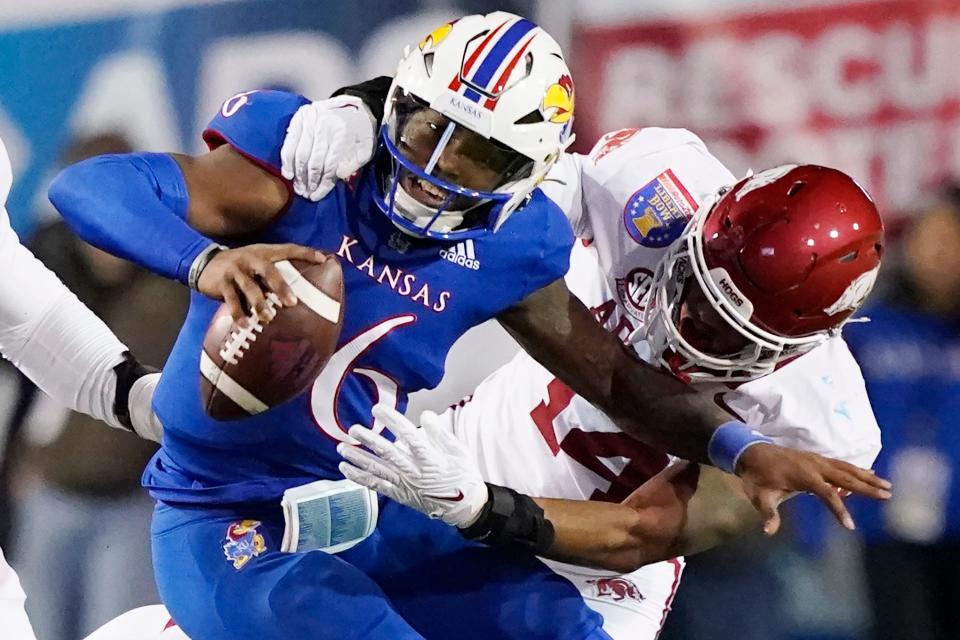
784	257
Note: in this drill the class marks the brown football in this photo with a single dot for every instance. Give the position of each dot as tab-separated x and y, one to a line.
244	372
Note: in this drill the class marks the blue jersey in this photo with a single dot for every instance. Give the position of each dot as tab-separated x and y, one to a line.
407	301
911	364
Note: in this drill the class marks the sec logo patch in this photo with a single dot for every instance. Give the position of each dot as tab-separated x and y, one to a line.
656	214
633	289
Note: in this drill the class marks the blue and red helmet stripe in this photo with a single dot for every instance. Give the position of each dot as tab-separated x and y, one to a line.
455	83
483	76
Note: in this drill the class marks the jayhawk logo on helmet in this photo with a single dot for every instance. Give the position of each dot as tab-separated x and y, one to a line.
558	101
435	37
243	542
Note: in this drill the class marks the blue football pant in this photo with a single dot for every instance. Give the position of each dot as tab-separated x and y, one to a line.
413	578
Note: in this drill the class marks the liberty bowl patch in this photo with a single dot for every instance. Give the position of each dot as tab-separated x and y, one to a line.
658	212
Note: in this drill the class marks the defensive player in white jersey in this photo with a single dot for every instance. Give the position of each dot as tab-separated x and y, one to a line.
69	354
747	303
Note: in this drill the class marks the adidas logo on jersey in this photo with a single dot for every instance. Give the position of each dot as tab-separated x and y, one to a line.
462	254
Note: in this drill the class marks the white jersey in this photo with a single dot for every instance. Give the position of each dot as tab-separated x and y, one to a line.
628	200
47	332
60	345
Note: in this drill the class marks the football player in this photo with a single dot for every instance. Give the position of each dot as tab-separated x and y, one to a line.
478	113
69	354
808	242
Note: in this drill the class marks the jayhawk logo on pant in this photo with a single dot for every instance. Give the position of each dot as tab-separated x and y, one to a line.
243	542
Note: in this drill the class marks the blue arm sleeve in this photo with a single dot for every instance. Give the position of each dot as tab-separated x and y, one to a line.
133	206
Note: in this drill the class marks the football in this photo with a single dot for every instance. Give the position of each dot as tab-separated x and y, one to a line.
245	371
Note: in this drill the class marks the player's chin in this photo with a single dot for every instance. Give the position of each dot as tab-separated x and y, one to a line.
708	340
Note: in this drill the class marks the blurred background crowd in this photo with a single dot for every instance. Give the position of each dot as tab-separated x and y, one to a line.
867	86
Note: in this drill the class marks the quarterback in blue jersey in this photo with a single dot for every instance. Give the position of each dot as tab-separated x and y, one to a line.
443	230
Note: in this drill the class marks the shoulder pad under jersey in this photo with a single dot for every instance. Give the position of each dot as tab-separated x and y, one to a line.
641	186
255	124
817	403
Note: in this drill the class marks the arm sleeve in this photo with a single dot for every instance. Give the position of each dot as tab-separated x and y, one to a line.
66	350
133	206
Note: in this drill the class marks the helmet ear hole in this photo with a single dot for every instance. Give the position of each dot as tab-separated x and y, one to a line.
428	63
727	222
533	117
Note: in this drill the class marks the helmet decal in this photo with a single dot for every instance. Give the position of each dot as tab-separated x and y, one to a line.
855	294
762	179
558	101
731	292
435	37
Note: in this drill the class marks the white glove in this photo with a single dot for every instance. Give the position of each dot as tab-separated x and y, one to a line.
327	140
426	469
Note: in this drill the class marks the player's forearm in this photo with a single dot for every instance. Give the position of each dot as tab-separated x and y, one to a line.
133	206
12	604
718	512
656	408
559	332
661	520
68	352
373	92
62	346
604	535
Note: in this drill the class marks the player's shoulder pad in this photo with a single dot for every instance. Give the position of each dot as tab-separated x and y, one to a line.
655	177
538	239
629	158
817	402
615	146
255	124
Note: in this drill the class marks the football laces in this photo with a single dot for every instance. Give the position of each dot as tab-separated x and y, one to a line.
242	338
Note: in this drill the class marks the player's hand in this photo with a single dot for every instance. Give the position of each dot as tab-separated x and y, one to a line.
327	140
770	473
426	469
245	276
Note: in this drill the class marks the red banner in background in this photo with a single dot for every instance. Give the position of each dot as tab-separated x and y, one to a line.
872	88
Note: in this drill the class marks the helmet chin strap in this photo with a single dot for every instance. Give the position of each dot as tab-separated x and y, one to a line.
421	215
